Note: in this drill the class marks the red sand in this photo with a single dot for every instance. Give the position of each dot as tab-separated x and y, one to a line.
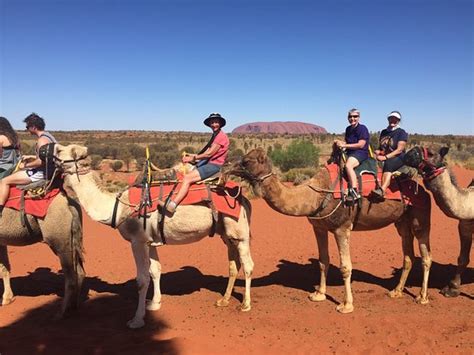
282	319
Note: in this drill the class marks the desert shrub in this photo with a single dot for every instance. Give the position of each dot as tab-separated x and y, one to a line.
298	154
116	165
188	149
164	155
298	175
95	161
235	154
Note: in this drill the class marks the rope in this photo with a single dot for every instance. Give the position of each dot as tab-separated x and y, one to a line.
329	214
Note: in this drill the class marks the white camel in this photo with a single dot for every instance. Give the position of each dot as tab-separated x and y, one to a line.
189	224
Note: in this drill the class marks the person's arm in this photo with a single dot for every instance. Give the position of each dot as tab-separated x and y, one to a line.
35	163
400	148
208	153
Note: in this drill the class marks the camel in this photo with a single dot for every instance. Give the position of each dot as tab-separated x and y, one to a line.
189	224
455	202
61	229
314	199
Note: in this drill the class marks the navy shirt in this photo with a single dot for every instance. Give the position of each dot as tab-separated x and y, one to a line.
354	135
388	140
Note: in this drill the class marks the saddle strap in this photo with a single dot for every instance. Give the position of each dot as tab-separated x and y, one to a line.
23	217
215	214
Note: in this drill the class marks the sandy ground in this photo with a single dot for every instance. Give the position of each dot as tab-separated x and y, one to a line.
282	319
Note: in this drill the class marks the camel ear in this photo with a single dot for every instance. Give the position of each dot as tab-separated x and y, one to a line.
262	158
443	151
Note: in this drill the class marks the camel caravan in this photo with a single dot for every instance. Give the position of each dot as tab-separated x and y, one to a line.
155	211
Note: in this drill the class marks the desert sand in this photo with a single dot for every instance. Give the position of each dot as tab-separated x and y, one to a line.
282	320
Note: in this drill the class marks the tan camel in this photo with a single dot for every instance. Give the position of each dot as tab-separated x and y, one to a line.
329	215
61	229
455	202
188	224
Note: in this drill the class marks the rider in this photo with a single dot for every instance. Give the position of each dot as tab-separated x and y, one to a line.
356	144
32	169
392	144
209	160
9	148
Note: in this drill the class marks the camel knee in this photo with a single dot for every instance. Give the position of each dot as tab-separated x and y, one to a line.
143	282
346	272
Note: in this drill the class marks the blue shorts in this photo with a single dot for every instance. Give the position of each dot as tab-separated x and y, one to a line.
207	170
359	155
392	164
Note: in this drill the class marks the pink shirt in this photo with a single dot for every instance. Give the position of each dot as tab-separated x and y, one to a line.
220	156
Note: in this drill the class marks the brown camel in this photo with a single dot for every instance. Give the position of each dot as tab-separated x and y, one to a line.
455	202
188	224
61	229
327	214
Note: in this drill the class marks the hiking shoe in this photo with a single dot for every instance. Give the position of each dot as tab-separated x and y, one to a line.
378	193
352	196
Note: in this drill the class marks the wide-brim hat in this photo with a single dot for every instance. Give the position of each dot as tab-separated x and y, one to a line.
207	121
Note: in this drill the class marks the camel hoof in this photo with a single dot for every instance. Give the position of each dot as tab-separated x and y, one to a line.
153	306
317	296
222	302
422	300
395	294
448	291
7	301
245	307
135	323
344	308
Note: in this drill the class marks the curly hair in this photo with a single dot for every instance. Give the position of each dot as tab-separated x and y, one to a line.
35	120
7	130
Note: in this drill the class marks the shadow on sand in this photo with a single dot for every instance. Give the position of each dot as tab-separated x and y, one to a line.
98	328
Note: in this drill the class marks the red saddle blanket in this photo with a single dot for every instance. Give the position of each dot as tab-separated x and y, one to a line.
226	203
37	207
407	189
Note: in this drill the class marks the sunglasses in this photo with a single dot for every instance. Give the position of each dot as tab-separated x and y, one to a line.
353	116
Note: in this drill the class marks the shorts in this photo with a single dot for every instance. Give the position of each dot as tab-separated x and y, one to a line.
35	174
207	170
392	164
360	156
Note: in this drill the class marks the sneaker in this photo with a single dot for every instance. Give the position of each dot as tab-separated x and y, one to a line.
352	196
156	244
378	193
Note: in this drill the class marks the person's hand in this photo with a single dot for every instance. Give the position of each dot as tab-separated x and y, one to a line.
191	158
339	143
381	157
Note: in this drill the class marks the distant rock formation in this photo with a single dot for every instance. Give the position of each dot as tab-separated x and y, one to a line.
290	127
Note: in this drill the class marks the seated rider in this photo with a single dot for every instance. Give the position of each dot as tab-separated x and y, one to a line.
392	144
9	148
32	169
209	160
356	144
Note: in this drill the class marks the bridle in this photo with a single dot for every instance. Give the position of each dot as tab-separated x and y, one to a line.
428	170
61	162
248	175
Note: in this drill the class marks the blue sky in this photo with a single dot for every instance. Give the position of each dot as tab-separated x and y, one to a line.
165	65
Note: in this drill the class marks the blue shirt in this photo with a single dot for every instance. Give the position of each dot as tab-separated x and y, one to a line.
354	135
389	139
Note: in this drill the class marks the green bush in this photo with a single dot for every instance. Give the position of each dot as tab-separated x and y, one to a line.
298	175
116	165
95	161
299	154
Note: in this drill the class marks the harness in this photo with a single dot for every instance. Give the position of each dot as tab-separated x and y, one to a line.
428	170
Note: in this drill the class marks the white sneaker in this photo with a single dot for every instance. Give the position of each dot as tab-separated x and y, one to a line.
156	244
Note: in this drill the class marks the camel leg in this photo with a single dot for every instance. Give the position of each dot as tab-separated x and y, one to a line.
343	242
322	240
155	273
465	229
7	297
403	227
422	233
247	263
234	267
142	261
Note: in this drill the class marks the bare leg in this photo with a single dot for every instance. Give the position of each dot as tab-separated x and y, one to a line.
155	273
142	261
7	297
322	240
343	242
19	177
351	164
386	177
234	267
189	179
465	228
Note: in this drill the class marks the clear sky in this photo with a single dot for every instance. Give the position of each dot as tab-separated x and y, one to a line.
165	65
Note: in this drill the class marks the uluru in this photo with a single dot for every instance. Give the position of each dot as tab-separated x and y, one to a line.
280	127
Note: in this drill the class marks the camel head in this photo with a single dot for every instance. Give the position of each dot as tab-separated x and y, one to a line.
427	160
253	166
71	158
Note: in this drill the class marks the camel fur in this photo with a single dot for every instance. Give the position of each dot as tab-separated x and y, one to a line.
305	199
454	201
61	229
189	224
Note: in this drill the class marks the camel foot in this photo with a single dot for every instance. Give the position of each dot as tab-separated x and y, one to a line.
222	302
449	291
317	296
422	300
153	305
135	323
245	307
8	300
395	294
345	308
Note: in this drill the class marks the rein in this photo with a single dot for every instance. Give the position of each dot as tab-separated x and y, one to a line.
429	171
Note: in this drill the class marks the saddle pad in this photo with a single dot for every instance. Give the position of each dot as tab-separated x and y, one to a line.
409	188
197	193
37	207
